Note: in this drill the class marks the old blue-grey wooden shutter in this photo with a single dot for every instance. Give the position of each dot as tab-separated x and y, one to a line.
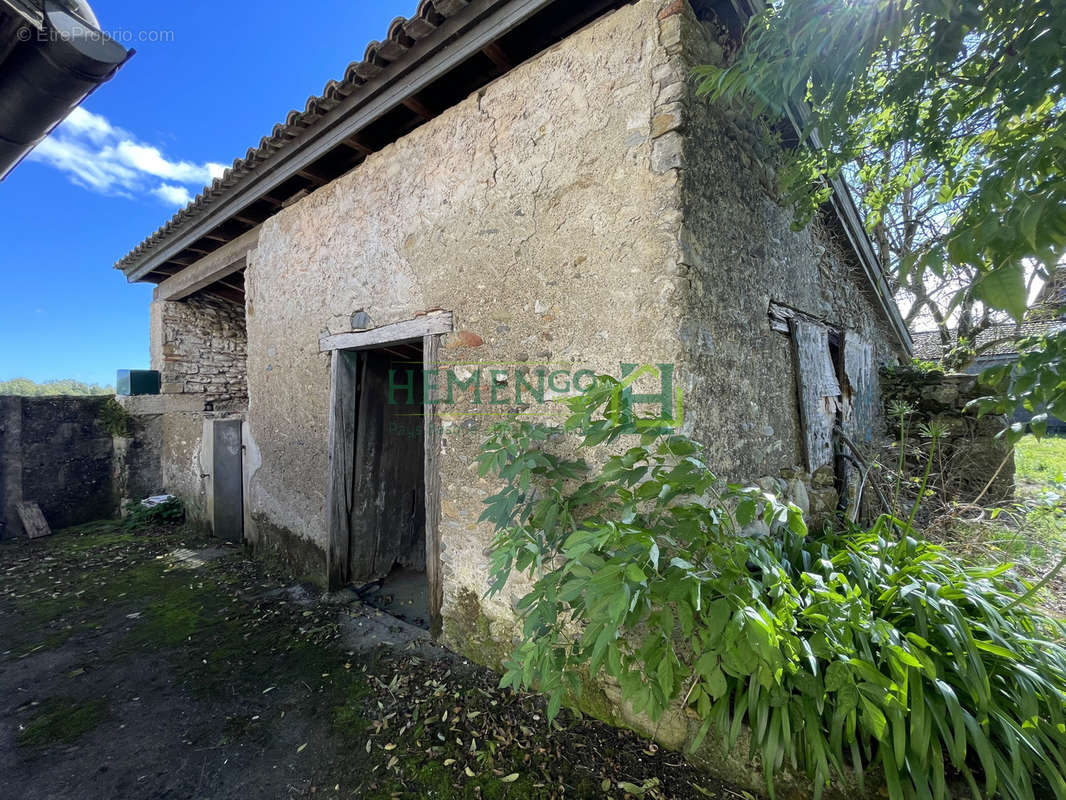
818	389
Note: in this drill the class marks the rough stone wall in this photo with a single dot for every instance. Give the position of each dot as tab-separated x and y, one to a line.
163	451
183	473
583	210
57	452
199	346
970	453
737	255
538	210
137	469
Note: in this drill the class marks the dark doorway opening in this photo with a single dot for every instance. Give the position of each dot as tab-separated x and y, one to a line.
387	549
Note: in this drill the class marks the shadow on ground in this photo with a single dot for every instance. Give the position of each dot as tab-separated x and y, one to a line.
155	664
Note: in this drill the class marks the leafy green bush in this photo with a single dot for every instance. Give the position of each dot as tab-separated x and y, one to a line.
852	650
115	419
169	512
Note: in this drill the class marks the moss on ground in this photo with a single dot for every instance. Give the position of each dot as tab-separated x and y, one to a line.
378	724
60	720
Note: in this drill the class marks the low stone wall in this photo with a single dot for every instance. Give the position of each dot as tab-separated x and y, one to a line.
58	452
970	454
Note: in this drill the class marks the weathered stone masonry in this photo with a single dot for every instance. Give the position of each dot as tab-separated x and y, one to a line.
585	209
59	453
199	345
971	451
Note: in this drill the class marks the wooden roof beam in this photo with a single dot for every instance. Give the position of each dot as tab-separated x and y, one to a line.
225	293
420	108
358	145
498	56
231	283
228	259
312	177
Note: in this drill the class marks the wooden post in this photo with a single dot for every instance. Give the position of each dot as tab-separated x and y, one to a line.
343	393
431	426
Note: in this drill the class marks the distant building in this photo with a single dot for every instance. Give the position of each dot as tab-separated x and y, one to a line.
994	345
998	345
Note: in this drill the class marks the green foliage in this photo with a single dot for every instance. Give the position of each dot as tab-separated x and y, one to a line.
964	99
1040	462
115	419
1035	382
169	512
857	650
27	388
927	366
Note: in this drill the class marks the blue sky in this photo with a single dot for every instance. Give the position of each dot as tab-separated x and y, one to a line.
217	79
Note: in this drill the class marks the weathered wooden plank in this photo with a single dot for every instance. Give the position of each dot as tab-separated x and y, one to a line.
417	328
363	521
779	317
33	520
401	490
343	394
860	388
229	258
388	503
432	432
819	391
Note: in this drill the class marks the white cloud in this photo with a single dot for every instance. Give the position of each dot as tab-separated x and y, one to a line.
172	195
103	158
91	125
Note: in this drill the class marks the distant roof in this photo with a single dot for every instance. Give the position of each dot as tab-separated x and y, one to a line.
999	340
1053	293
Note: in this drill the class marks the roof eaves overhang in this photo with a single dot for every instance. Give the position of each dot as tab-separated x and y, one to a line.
30	12
847	212
457	38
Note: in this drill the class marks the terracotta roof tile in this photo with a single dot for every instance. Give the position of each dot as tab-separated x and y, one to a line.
403	33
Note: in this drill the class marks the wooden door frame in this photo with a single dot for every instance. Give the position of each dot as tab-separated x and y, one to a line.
344	384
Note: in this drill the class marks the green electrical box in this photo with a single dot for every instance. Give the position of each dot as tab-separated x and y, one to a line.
137	381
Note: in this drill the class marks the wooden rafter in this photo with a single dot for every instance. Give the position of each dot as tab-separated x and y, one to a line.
313	177
225	293
497	56
420	108
228	259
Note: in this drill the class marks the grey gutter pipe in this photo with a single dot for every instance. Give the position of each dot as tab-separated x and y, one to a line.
48	73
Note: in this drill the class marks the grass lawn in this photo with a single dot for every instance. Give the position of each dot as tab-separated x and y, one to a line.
1039	464
1029	532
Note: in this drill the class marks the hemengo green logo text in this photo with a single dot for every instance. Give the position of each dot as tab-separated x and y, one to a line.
477	390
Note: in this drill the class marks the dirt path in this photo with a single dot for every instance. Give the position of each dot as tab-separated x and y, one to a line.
157	665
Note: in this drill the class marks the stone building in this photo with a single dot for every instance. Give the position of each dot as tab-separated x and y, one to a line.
504	191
